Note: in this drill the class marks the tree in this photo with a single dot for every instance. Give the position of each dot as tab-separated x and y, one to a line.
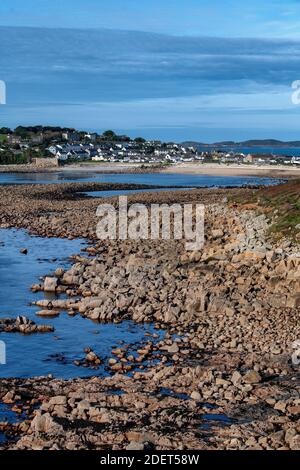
5	130
9	158
21	131
140	140
109	135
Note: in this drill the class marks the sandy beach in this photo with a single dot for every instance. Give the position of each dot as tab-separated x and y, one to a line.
234	170
182	168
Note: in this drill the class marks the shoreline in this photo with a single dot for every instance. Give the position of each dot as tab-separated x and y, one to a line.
234	170
217	362
114	168
183	168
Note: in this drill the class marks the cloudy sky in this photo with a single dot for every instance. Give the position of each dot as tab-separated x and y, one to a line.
180	70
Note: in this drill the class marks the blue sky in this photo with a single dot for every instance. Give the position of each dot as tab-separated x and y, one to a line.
267	18
172	70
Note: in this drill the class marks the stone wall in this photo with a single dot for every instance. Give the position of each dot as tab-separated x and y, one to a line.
45	162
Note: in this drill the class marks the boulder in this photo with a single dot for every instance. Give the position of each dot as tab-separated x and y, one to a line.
45	424
50	284
252	377
48	313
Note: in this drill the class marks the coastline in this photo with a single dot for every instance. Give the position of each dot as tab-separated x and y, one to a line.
183	168
150	232
217	364
234	170
113	168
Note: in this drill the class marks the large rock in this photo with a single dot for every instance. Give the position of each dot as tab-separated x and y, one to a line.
59	400
48	313
252	377
293	301
45	424
50	284
135	446
295	442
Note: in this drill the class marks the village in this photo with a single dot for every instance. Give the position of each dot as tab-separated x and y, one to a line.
61	146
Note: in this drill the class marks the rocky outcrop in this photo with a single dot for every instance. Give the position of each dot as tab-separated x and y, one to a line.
23	325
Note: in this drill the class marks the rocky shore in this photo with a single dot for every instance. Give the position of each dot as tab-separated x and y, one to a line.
193	168
110	168
223	377
23	325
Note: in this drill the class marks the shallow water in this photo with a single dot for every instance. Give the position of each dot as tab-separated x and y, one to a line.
147	178
213	419
9	416
49	353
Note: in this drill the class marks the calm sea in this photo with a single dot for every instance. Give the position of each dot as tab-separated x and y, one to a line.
288	151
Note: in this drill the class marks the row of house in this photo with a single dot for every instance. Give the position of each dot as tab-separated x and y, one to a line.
146	152
257	159
70	145
150	152
65	152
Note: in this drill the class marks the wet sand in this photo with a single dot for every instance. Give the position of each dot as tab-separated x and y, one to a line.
234	170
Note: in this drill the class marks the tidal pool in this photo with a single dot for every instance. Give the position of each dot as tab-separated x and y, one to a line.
158	179
50	353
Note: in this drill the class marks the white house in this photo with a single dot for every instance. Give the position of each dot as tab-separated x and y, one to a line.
63	156
54	149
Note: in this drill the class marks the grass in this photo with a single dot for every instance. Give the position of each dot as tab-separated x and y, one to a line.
282	204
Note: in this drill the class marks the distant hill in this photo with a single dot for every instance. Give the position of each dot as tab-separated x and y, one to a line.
246	143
